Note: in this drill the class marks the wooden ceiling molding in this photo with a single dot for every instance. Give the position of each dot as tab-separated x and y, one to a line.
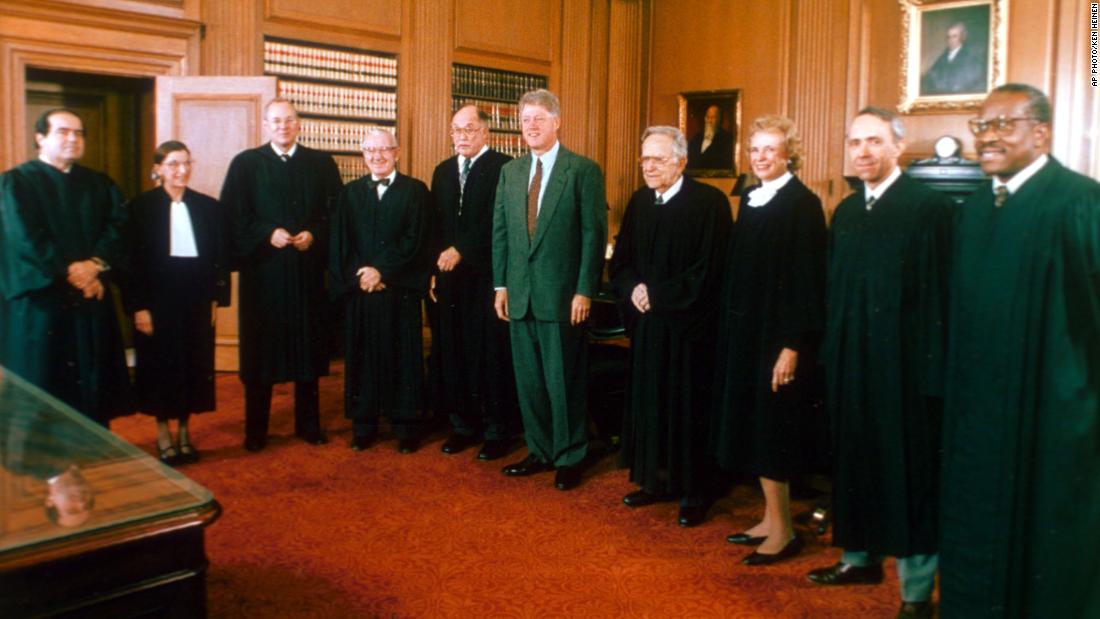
382	20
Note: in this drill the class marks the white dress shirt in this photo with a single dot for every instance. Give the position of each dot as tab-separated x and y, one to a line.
548	159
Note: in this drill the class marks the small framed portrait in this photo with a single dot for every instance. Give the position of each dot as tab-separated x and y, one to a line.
953	53
711	122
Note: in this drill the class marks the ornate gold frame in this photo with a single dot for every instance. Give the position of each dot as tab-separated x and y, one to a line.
732	108
910	72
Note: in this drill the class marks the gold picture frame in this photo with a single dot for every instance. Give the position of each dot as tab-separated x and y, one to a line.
719	159
952	53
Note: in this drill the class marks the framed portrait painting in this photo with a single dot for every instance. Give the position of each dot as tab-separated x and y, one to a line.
711	122
953	53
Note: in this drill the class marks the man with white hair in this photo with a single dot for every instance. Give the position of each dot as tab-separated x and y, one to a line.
379	261
960	69
666	271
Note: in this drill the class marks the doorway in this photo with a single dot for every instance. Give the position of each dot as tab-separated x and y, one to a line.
118	120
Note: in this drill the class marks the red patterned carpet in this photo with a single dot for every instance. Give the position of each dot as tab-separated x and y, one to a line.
327	532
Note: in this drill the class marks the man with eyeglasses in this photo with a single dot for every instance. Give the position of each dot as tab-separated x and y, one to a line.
549	236
278	197
666	271
479	387
61	239
1021	444
889	247
380	261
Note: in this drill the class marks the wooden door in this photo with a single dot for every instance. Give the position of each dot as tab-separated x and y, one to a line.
216	117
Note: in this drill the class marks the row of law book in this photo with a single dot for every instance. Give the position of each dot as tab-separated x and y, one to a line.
295	60
511	144
342	101
333	134
502	116
351	167
492	83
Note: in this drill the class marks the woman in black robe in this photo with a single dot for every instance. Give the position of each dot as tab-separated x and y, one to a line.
772	313
177	282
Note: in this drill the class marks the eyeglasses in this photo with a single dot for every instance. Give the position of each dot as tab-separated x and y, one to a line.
467	132
657	161
175	165
1001	126
382	150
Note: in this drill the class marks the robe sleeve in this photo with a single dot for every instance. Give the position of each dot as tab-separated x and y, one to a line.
1082	272
331	185
934	267
624	277
800	309
474	235
111	246
682	291
136	283
343	259
249	231
403	262
29	260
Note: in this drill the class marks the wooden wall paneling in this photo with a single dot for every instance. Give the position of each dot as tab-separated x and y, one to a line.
1076	104
378	17
173	9
818	93
521	29
572	85
233	43
424	87
52	36
627	36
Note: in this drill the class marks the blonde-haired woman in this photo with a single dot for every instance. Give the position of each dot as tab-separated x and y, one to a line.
771	316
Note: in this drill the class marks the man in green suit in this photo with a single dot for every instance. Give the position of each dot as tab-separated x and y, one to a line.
549	234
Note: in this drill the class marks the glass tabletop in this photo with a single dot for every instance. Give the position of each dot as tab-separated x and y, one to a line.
62	475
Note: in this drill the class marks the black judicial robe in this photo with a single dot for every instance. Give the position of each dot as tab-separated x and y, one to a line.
883	354
384	355
49	333
175	366
283	302
772	298
1021	479
676	250
476	354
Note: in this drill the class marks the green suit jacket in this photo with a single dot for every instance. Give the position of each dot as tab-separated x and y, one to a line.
565	256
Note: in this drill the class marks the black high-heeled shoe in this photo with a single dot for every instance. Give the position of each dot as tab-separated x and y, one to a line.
789	551
188	454
168	455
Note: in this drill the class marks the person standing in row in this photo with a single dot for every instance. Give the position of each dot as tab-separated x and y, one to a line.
279	196
772	315
178	278
549	236
479	387
380	264
1021	441
883	353
666	270
61	239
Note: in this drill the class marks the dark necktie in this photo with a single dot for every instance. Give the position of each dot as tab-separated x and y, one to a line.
1001	196
871	202
660	200
533	198
285	157
462	182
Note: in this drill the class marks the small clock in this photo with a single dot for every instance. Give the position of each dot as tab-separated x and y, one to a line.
947	147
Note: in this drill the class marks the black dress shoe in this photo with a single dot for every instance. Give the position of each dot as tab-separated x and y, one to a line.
494	448
408	444
567	477
255	443
692	515
915	610
169	455
313	438
744	539
846	574
528	466
639	498
789	551
363	442
457	443
188	454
